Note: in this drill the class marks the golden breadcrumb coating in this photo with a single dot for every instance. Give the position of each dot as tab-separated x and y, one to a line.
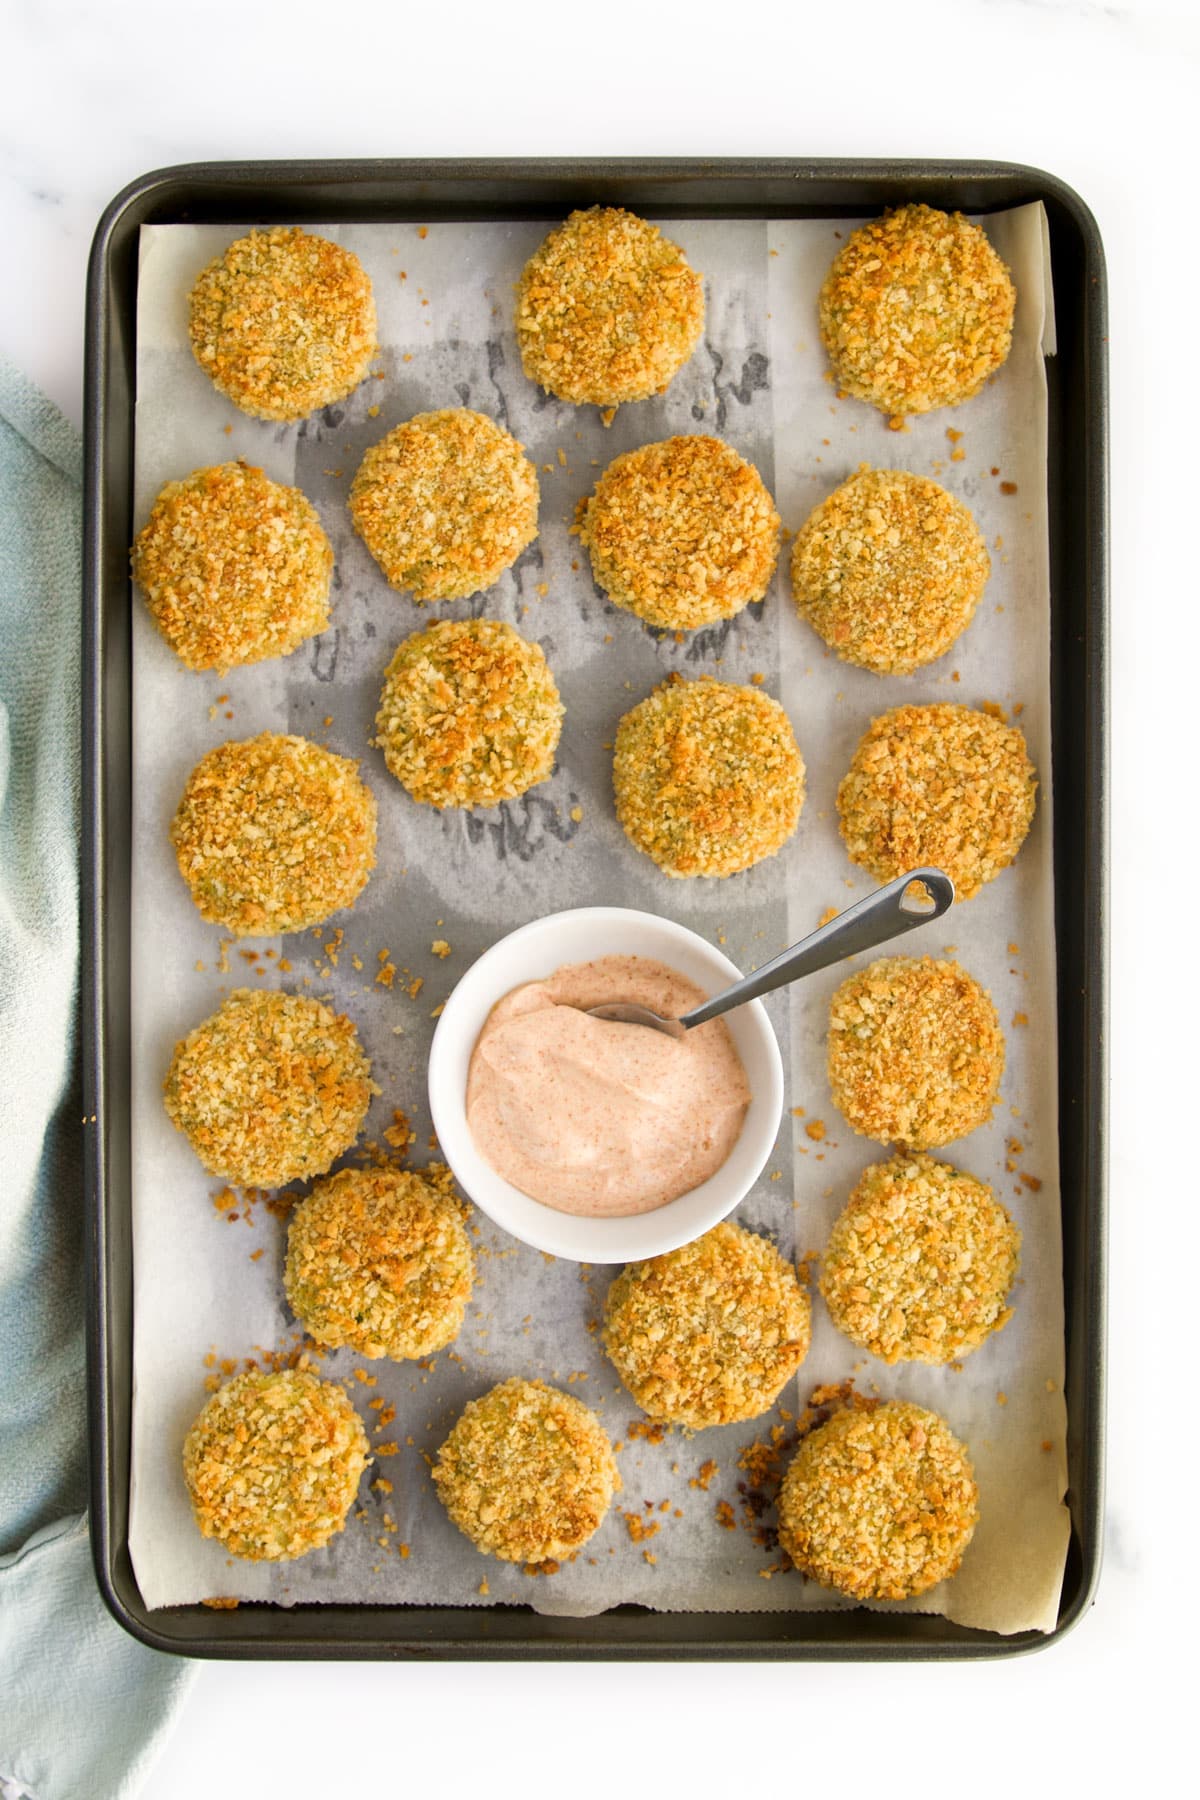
889	570
682	533
916	311
234	567
608	309
270	1089
379	1260
944	786
273	1463
709	1334
708	776
469	714
445	503
879	1504
915	1052
283	322
919	1265
274	834
527	1472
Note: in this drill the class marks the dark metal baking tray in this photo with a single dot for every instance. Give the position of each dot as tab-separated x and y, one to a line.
263	193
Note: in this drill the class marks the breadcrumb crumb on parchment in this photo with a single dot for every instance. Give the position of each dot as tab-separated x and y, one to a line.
916	311
527	1473
608	309
283	322
235	568
273	1463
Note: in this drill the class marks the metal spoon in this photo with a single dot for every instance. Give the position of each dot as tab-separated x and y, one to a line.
887	913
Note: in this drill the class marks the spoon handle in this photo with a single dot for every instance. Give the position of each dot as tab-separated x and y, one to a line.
882	915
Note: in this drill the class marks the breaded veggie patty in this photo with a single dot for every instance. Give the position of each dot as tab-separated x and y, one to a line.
919	1265
880	1504
608	309
283	322
445	503
273	1463
708	776
889	570
944	786
527	1472
274	834
379	1259
916	311
709	1334
915	1052
234	567
681	533
270	1089
469	714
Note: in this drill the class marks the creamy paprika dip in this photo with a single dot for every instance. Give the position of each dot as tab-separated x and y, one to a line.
596	1118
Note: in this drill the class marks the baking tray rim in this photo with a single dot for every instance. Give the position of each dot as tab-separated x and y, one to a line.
523	1633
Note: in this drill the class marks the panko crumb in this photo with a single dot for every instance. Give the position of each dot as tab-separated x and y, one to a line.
879	1504
283	322
273	1463
270	1089
274	834
915	1052
889	570
682	532
920	1263
708	777
608	310
235	568
399	1134
945	786
527	1473
379	1260
469	715
445	503
709	1333
916	311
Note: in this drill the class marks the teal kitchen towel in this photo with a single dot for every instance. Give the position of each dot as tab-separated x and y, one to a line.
82	1705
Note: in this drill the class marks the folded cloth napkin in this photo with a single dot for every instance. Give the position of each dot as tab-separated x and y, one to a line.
82	1705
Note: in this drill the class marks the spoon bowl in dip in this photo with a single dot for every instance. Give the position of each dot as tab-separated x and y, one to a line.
911	900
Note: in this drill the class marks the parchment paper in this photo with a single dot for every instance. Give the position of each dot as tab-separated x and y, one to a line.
759	380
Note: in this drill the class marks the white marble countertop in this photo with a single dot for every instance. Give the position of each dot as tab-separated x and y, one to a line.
1105	96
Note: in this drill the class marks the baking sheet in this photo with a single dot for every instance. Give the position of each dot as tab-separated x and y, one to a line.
758	379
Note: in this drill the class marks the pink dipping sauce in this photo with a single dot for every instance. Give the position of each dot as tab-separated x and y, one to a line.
600	1119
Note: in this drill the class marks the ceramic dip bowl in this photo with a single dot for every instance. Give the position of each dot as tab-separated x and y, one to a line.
534	952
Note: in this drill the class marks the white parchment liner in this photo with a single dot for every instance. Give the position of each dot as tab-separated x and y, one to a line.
444	296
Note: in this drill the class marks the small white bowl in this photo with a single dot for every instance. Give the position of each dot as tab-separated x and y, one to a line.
531	954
